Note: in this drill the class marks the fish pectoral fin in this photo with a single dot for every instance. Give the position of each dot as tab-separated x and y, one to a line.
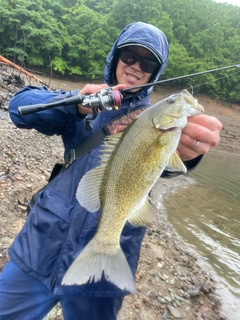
176	164
144	216
88	190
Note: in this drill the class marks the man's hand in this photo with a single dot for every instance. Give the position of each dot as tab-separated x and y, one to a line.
200	134
92	89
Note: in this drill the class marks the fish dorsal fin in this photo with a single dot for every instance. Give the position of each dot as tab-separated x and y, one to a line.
88	190
108	146
144	216
175	164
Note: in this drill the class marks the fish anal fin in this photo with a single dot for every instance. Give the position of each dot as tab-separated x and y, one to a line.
144	216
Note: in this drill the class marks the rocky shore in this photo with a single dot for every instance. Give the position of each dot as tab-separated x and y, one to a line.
170	282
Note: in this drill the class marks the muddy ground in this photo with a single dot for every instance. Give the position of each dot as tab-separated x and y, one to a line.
170	282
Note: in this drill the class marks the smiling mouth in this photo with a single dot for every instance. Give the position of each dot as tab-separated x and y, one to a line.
132	77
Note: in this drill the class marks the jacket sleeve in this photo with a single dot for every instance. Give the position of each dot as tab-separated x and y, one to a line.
49	121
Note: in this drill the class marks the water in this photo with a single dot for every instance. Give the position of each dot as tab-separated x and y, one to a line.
207	216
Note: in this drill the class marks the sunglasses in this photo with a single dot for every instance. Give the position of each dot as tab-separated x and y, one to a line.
130	57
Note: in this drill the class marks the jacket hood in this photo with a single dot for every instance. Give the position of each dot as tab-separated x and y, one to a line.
145	35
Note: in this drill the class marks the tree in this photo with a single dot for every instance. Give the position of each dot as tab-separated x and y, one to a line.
31	31
76	36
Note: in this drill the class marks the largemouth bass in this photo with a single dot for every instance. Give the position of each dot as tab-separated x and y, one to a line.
131	163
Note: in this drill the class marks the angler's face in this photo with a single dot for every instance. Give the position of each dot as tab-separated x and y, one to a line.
132	74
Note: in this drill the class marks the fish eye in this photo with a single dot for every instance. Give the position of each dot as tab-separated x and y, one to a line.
170	100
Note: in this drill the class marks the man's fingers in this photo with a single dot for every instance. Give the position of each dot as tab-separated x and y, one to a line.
201	133
119	87
206	121
92	88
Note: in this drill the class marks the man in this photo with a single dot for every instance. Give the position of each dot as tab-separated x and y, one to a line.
58	228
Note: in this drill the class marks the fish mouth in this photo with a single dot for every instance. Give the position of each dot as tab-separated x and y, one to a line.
197	106
200	108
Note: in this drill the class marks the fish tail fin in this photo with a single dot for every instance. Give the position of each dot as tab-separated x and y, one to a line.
90	265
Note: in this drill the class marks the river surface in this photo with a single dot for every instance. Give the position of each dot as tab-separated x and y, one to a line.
207	216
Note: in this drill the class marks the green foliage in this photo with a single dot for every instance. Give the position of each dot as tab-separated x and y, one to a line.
103	6
124	12
31	28
75	36
59	65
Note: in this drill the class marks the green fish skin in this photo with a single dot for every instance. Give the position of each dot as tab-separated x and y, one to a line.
131	163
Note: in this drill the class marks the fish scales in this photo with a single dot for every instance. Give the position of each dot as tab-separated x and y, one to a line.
131	163
137	171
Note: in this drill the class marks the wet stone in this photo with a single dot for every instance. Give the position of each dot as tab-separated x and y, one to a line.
174	312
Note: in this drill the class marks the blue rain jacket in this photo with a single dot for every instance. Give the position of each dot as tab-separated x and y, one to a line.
58	228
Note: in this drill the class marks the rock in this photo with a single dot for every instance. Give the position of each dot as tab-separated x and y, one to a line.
146	302
3	177
162	300
186	295
158	251
177	297
139	288
174	312
193	293
22	208
136	304
184	258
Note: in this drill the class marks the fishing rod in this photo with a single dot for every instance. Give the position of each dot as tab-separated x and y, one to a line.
106	99
181	77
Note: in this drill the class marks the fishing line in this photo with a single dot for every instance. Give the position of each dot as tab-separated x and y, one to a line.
227	76
201	84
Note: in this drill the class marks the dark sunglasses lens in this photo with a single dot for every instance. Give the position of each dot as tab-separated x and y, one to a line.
148	65
129	57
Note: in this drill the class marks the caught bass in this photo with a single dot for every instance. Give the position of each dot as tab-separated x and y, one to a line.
131	163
